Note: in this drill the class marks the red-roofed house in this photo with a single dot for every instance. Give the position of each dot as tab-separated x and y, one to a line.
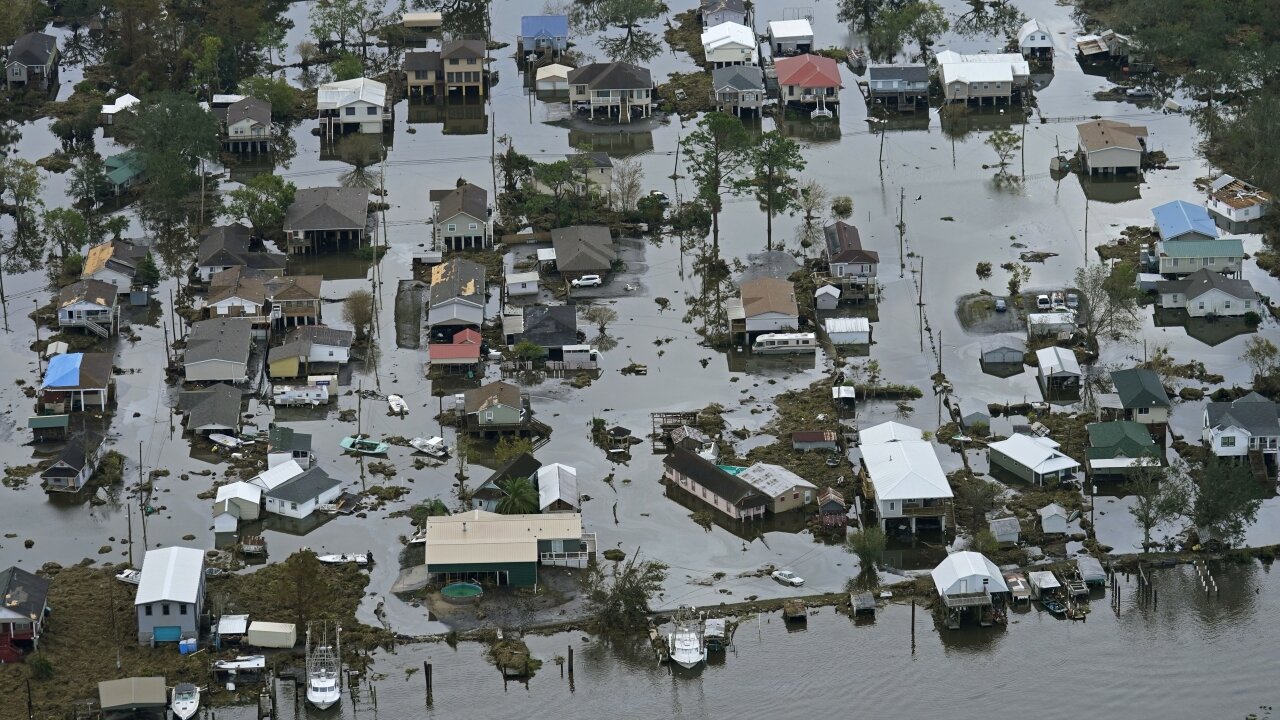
809	80
461	354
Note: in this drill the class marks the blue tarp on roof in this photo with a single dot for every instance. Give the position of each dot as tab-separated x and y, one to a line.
64	371
544	26
1180	217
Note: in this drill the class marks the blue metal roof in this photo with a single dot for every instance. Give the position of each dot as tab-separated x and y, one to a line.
1181	217
544	26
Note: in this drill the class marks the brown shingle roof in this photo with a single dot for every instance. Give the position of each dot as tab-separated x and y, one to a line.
93	291
1101	134
495	393
612	76
467	198
328	208
844	245
766	295
462	49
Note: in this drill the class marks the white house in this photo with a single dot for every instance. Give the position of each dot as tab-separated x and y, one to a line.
519	284
1005	529
715	12
730	44
558	489
1236	200
905	481
790	37
1247	424
1053	519
552	78
982	76
887	432
107	116
765	305
967	578
248	124
241	499
1111	146
1034	459
1205	292
358	104
299	497
848	330
91	305
276	475
1034	40
826	297
170	597
1058	369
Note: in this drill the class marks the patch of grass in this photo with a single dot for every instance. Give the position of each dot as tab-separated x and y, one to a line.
696	87
684	34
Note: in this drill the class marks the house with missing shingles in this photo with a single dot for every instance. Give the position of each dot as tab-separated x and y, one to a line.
457	300
1242	428
22	613
462	218
807	440
1237	201
1205	293
115	262
170	597
1111	146
714	486
786	490
91	305
327	219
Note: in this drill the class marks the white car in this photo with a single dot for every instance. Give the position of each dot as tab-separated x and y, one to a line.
588	281
786	577
1043	302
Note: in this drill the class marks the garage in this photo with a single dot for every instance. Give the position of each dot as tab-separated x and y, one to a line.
167	633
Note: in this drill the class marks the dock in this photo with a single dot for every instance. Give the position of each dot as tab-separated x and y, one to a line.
659	645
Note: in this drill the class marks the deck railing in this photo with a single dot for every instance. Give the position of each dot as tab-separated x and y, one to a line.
967	599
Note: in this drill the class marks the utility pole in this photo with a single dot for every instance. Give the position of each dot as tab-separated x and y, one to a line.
902	233
143	498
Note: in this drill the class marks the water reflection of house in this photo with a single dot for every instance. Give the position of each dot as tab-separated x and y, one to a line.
458	115
544	34
1111	188
616	143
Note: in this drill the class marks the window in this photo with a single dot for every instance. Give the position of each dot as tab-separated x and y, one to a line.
1201	304
453	227
371	110
1144	411
891	505
1247	304
1228	305
1227	441
795	495
472	226
164	609
351	111
1204	262
1174	297
182	608
293	506
147	610
471	61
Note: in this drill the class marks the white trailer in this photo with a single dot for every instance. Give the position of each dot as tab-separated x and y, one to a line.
272	634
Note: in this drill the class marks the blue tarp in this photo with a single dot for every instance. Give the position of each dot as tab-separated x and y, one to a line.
64	371
1180	217
554	26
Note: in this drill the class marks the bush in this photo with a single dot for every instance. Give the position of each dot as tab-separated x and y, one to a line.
984	270
1252	319
41	668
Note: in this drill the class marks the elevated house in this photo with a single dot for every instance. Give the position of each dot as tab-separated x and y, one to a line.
583	250
423	71
790	37
736	88
75	464
1185	256
715	12
983	78
230	246
617	88
764	305
966	580
1032	459
285	444
888	432
239	292
785	489
248	126
457	299
558	489
1141	397
848	264
1237	201
327	218
1245	428
124	171
22	614
464	67
1110	146
1181	220
551	327
170	597
504	549
497	408
218	350
295	299
714	486
1117	447
300	496
461	354
359	105
1034	41
115	262
310	349
1205	293
91	305
902	86
809	81
491	492
32	62
1057	369
462	218
729	44
76	382
903	481
544	34
215	409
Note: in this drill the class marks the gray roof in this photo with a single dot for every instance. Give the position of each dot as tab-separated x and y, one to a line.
737	77
33	49
282	439
1252	412
1139	387
321	335
295	349
1003	526
72	457
714	478
223	244
215	408
1204	280
777	264
551	326
596	159
328	208
97	292
583	248
23	592
423	60
611	76
522	466
462	49
254	109
307	486
466	198
219	339
909	73
458	278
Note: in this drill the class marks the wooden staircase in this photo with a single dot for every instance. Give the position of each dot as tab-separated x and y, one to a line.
97	328
1258	464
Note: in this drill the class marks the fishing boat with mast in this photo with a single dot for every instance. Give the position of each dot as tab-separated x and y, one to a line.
685	644
323	690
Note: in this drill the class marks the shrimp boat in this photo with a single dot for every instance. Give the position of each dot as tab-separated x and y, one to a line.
185	701
322	670
685	644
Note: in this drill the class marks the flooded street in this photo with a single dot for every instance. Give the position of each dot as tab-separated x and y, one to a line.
955	215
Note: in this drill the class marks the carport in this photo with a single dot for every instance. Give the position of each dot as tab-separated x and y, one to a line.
139	697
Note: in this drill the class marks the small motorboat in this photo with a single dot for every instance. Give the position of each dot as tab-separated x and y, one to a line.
433	446
360	559
213	572
129	575
397	405
242	662
185	701
363	446
225	441
1054	606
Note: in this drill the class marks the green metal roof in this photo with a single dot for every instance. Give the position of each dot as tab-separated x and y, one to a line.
1139	387
1121	438
732	469
1222	247
47	422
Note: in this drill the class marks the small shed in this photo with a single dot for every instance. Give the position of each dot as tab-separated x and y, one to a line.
848	331
832	508
974	415
1043	583
1058	369
1006	530
826	297
521	284
558	489
814	440
1091	570
552	78
1053	519
1003	355
232	628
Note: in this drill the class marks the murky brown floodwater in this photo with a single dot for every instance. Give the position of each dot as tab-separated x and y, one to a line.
1057	668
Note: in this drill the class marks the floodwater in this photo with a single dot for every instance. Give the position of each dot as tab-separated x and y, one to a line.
955	216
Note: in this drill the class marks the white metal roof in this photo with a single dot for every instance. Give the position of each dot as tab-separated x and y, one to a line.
554	70
123	102
227	99
334	95
905	470
557	481
773	480
1052	509
1039	454
479	537
889	432
728	32
1055	360
271	478
240	490
790	29
842	392
1051	318
524	277
975	72
172	573
828	290
1043	579
1029	27
847	325
971	566
546	254
233	624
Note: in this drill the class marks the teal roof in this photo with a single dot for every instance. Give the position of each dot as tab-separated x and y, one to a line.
1139	387
1223	247
1121	438
46	422
123	167
732	469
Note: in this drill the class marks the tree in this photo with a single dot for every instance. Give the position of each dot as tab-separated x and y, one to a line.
347	67
985	542
1262	356
357	311
21	183
926	21
976	494
263	200
600	316
521	497
277	91
147	275
1108	302
1157	498
1005	143
298	590
1018	274
619	601
205	64
88	184
774	160
509	448
557	178
841	207
869	545
529	350
116	225
1224	500
627	185
336	21
716	154
66	230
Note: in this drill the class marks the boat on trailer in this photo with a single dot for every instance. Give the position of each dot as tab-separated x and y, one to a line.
185	701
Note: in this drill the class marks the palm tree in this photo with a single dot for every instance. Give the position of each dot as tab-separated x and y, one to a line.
522	497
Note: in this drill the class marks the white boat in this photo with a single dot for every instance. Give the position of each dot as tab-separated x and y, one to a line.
225	441
344	558
685	643
322	671
434	446
129	575
397	404
242	662
784	343
185	701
